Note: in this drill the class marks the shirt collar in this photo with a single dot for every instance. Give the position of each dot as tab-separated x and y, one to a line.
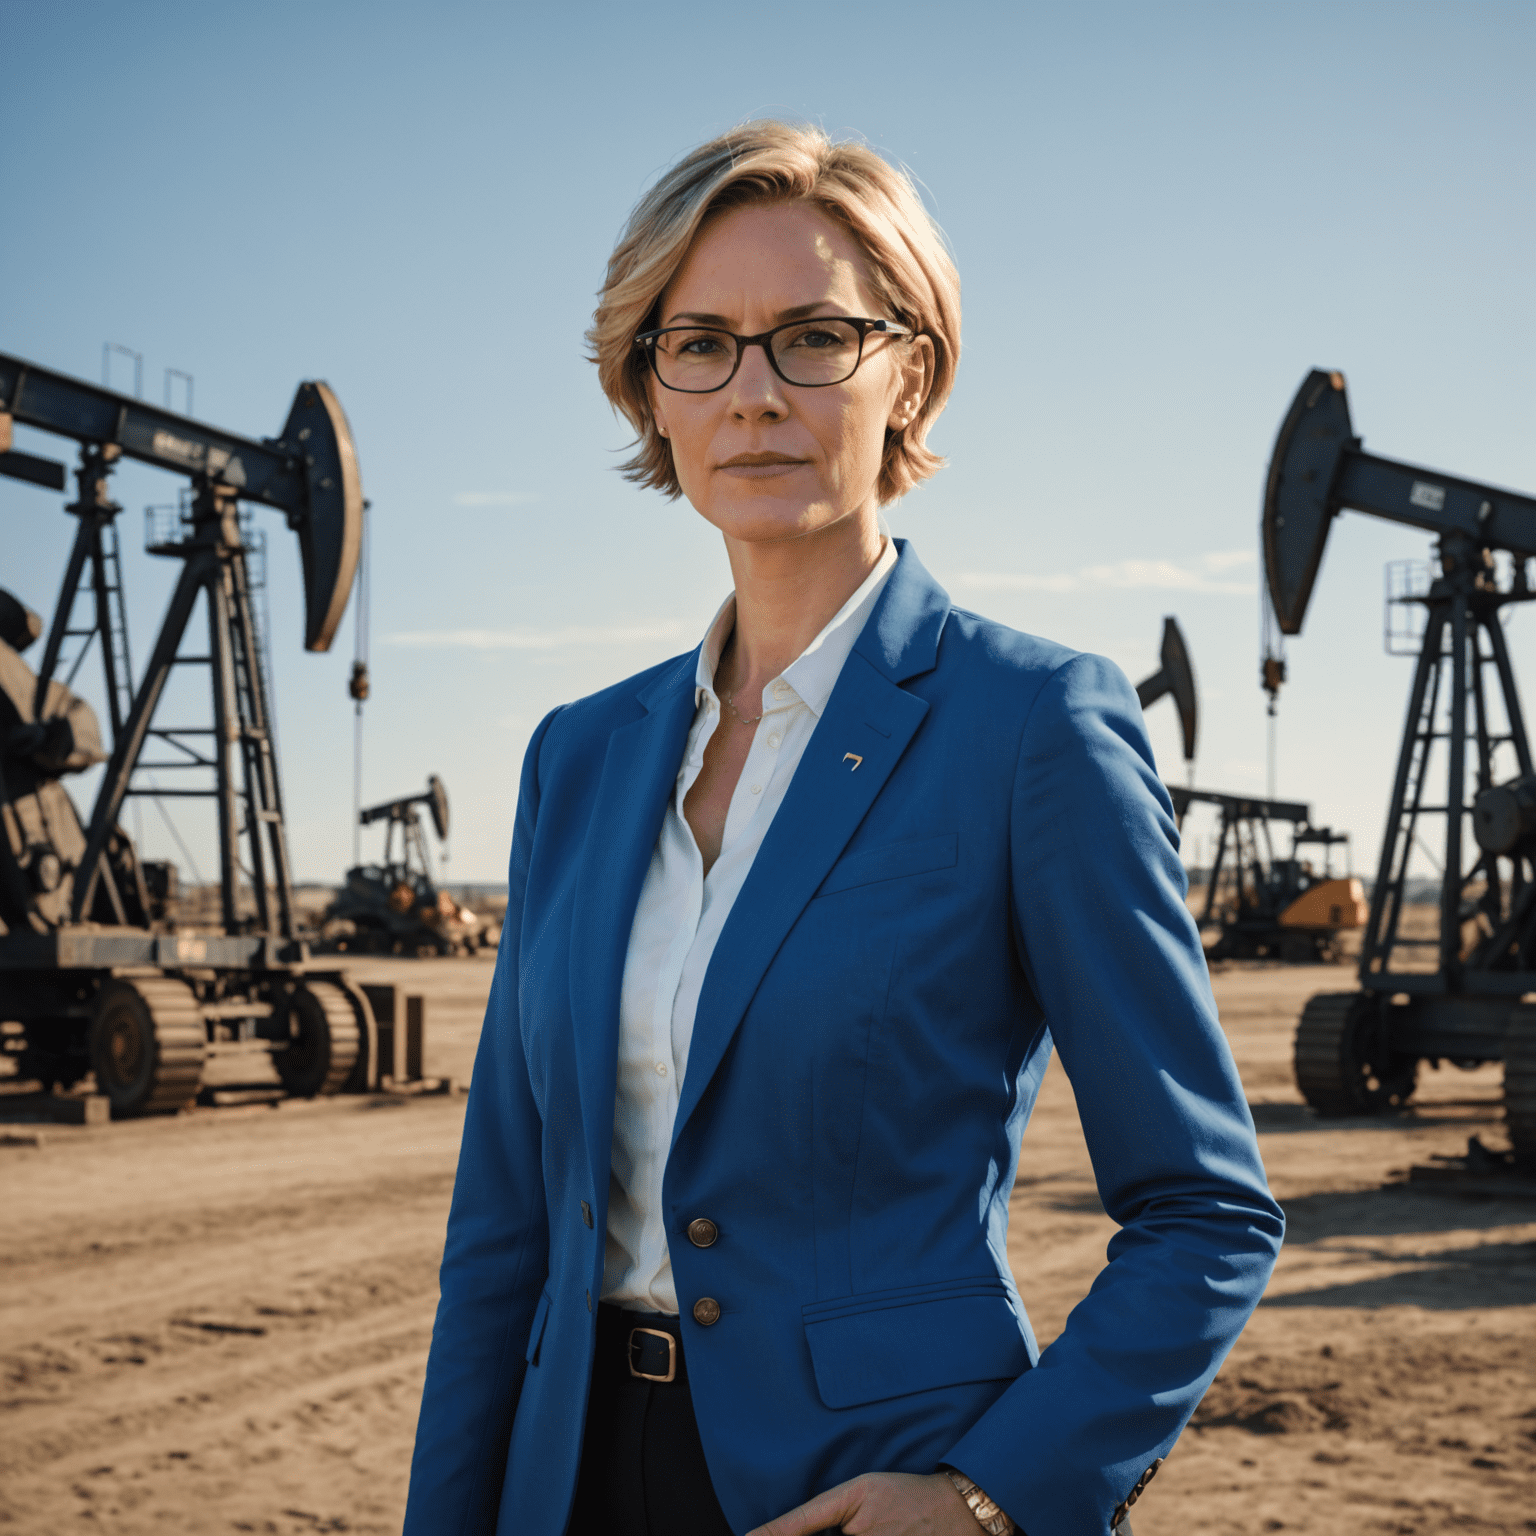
812	675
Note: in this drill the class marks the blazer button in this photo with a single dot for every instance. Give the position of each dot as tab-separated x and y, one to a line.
586	1213
702	1232
706	1310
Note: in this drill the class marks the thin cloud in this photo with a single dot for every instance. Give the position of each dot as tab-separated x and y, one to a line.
535	639
1207	574
495	499
1228	559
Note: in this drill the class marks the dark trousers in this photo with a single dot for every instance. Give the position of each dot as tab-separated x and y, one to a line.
642	1465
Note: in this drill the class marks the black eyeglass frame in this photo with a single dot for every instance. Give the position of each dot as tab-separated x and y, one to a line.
648	340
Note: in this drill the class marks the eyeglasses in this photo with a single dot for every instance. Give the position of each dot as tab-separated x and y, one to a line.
699	359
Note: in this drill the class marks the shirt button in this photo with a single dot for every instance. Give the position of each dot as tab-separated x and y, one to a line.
702	1232
773	741
706	1311
780	690
661	1069
757	789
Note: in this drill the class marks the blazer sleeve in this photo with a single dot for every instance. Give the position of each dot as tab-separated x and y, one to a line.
1115	962
497	1248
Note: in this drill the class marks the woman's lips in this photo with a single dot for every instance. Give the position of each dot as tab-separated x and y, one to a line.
761	469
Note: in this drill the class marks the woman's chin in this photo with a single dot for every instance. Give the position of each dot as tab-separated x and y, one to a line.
771	520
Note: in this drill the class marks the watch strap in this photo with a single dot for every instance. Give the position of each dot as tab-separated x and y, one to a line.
988	1515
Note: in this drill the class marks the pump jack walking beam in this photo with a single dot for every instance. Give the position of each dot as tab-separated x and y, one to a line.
309	472
1319	470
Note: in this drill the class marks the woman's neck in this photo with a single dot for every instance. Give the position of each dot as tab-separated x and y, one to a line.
786	594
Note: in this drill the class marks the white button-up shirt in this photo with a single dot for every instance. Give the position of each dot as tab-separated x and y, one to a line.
677	922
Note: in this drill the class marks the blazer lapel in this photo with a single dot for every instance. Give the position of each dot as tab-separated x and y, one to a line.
639	773
861	736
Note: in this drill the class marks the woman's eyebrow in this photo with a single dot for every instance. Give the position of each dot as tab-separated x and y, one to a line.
720	322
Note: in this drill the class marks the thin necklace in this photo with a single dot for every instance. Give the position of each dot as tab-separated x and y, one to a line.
730	698
730	704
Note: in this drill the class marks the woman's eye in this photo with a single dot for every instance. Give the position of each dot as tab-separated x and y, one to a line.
700	346
817	340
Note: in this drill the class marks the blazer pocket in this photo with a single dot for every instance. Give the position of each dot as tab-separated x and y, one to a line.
887	1344
536	1332
891	862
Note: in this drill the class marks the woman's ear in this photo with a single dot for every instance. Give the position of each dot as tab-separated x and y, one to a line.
657	415
916	380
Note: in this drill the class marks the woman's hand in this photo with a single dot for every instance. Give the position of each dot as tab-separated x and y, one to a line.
881	1504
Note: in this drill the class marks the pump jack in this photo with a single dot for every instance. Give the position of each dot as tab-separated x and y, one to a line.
396	906
97	981
1359	1052
1268	905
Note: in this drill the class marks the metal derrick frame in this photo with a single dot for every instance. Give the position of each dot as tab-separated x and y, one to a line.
1244	818
1248	864
249	806
412	839
1462	606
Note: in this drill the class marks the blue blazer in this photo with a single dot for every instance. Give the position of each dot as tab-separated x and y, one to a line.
996	873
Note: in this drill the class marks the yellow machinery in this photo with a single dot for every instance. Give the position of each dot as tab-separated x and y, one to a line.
1329	905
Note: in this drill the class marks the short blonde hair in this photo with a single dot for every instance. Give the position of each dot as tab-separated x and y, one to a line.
910	270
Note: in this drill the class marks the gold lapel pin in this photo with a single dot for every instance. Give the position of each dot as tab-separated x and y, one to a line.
854	758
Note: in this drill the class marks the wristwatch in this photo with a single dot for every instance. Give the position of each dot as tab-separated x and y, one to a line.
988	1516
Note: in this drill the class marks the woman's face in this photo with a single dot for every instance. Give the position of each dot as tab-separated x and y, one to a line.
762	460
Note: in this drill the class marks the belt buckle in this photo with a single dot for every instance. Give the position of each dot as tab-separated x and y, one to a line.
659	1333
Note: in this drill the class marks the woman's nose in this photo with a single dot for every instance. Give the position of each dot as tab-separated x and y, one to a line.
756	389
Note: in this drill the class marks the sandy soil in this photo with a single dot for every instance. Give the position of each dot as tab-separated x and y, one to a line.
219	1322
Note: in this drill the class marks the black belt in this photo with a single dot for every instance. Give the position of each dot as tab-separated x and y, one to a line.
647	1346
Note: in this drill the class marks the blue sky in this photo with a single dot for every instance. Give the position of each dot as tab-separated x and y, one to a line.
1164	214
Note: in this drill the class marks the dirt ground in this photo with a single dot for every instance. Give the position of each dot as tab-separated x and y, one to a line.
219	1322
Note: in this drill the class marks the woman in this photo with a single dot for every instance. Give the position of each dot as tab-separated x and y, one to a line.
794	921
